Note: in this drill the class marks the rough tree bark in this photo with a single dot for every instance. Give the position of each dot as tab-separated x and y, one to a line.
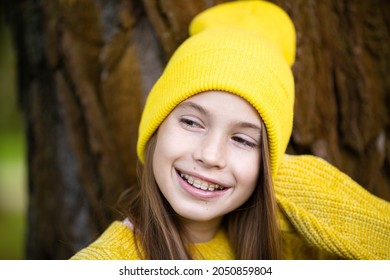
85	68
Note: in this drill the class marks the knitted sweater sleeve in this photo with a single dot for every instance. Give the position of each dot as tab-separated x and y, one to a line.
330	211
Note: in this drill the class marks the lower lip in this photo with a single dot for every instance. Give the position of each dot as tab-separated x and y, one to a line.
199	193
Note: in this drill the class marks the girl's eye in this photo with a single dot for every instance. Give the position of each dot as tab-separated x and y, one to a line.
244	142
190	123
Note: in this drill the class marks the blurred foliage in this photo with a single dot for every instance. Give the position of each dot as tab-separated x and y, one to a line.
12	155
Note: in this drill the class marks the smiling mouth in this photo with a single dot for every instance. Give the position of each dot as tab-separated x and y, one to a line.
200	184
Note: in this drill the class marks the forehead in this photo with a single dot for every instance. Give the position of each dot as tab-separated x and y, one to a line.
220	103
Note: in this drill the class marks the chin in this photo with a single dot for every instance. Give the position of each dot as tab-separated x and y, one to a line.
198	214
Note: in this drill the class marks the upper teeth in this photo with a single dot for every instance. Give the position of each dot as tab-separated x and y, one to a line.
200	184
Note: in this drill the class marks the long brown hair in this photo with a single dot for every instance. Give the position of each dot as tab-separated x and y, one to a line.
252	228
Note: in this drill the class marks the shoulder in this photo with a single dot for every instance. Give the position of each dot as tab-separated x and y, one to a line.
116	243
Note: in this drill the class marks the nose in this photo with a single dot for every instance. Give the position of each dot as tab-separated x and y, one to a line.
211	151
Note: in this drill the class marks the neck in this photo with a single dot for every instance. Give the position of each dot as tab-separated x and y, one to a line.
202	231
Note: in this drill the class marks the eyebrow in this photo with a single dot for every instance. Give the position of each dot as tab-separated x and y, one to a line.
195	106
249	125
202	110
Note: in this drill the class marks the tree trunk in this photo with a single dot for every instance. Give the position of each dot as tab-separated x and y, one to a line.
85	68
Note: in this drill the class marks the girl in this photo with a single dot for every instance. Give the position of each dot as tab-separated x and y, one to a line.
211	145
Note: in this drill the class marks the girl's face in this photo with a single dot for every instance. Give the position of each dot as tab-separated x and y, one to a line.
206	160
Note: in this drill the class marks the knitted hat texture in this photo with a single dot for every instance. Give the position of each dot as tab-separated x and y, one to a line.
244	48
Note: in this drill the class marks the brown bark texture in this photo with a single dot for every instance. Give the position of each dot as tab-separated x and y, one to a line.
85	68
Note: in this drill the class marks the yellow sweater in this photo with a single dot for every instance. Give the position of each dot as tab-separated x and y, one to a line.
328	213
117	243
324	214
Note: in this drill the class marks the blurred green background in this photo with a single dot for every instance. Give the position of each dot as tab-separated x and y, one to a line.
13	186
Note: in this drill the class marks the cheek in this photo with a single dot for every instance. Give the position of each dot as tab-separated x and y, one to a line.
162	163
173	141
171	145
168	146
165	137
247	172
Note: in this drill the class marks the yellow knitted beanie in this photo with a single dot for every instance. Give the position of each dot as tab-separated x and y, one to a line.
242	47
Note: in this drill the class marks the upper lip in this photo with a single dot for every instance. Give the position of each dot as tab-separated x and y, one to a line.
204	178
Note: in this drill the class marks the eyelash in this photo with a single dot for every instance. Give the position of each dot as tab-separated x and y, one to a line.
190	123
239	140
242	141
